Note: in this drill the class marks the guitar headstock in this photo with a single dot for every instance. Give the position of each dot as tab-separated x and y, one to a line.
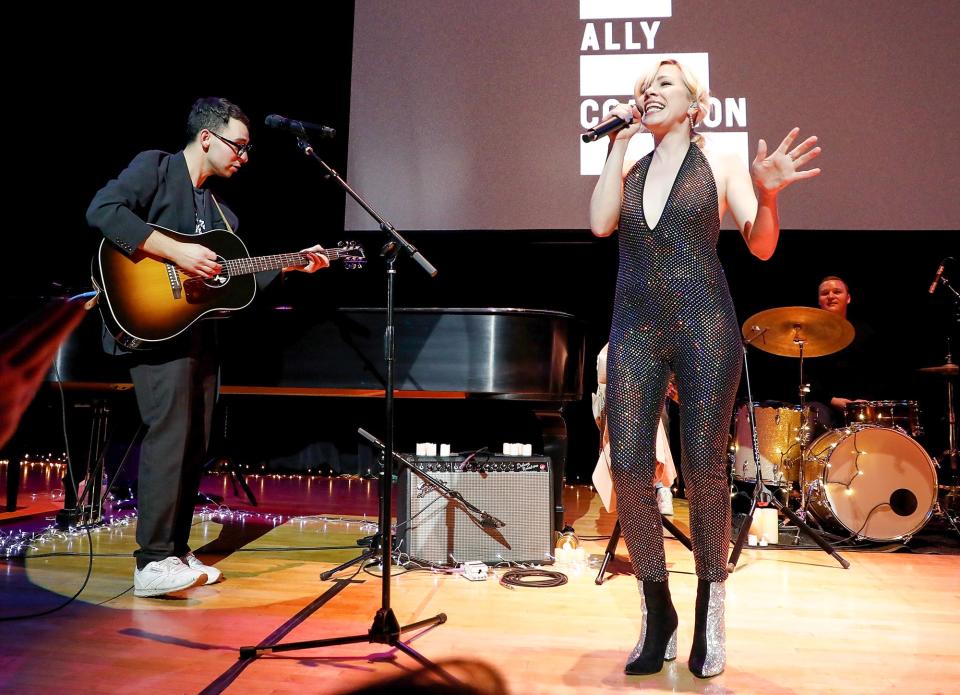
351	253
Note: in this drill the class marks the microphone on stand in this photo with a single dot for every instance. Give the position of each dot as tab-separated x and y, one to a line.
936	278
299	128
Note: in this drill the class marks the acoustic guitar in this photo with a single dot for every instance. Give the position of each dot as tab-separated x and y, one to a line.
146	300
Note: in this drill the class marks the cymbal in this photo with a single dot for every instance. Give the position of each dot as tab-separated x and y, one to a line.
948	369
780	331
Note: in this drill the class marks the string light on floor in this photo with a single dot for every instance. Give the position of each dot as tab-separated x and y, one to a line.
43	460
20	544
224	514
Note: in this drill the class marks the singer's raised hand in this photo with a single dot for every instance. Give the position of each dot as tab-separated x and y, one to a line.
775	171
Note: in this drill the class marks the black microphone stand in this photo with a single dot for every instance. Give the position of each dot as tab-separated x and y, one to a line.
611	549
762	496
386	629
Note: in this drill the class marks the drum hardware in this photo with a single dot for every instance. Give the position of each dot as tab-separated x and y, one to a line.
762	497
949	508
949	460
799	331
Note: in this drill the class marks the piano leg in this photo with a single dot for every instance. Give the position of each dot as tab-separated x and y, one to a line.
554	429
13	478
88	508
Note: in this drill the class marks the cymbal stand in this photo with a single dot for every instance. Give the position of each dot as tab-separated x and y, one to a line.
803	388
762	496
949	461
951	455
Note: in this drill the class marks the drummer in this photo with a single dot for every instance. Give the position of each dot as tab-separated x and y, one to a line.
844	377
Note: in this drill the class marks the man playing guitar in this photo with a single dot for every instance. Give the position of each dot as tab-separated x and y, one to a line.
175	382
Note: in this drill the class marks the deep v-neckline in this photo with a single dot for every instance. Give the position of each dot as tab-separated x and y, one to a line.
673	186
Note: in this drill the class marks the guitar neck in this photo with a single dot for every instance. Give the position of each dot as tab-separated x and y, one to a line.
258	264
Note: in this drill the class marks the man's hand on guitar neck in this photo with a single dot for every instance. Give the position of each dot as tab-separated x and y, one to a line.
193	259
317	260
199	261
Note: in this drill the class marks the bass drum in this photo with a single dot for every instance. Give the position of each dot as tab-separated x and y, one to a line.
875	482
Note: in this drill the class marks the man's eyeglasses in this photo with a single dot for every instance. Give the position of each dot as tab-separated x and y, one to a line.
238	148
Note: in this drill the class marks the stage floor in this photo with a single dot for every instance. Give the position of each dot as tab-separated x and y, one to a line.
796	621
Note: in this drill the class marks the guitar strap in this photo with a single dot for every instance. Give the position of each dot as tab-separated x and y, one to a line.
226	222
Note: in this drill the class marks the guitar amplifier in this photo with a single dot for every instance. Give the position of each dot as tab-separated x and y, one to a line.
440	530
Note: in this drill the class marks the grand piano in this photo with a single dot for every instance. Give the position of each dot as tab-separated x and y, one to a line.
534	357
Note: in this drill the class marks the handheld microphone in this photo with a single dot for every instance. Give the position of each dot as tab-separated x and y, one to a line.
611	125
936	278
298	127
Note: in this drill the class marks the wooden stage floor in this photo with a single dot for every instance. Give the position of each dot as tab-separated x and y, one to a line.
796	621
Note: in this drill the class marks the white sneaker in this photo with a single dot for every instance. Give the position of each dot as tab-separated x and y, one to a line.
213	574
665	501
165	577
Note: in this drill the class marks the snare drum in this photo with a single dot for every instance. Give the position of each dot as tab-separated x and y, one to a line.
902	414
779	439
875	482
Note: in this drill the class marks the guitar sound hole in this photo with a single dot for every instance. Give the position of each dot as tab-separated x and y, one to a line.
220	279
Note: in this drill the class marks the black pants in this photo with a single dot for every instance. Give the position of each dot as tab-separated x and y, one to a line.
175	394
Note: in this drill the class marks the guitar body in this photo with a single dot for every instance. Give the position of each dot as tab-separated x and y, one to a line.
146	300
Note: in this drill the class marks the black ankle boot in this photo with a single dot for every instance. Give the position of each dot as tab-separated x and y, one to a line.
658	633
708	655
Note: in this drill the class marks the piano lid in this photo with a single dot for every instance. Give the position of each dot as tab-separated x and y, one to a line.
505	353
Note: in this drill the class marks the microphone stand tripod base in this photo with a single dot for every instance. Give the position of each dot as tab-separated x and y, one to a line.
386	629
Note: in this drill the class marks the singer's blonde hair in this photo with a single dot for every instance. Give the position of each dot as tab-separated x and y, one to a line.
699	94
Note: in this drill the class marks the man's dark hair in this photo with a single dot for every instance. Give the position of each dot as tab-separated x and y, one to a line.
213	113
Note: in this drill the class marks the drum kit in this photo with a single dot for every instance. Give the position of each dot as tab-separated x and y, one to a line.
869	480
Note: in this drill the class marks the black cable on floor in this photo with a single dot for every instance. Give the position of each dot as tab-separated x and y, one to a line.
69	600
539	578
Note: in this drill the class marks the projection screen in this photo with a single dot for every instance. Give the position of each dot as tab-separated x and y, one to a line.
466	114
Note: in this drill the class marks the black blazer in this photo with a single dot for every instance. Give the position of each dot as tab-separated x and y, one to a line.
154	188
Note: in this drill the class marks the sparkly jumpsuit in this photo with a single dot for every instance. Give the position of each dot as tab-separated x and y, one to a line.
672	311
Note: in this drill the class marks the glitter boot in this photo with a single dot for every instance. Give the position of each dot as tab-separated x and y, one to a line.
658	632
708	655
